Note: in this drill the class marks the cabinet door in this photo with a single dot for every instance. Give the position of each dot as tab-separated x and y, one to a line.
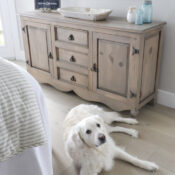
113	63
37	41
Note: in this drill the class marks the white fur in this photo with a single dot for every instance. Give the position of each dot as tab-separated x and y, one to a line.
86	151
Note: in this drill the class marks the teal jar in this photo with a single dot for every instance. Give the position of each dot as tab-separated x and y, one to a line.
147	11
139	17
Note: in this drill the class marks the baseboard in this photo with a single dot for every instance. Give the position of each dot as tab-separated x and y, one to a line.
166	98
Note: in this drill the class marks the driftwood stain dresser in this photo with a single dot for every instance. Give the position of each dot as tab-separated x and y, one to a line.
110	61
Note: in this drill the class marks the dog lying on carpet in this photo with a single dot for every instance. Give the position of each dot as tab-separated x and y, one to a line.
88	143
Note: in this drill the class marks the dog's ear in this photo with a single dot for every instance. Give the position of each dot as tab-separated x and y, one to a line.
74	142
76	136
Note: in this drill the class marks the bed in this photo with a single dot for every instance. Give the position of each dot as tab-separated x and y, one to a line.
36	160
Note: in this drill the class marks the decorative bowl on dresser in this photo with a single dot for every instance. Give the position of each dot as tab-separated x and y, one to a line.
110	61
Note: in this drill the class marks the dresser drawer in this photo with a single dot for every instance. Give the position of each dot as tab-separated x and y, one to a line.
73	77
72	36
73	57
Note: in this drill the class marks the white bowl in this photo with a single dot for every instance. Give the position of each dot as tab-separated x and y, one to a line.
85	13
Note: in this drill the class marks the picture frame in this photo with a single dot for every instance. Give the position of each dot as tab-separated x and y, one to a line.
47	4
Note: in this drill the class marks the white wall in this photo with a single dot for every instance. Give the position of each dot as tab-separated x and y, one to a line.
22	6
163	10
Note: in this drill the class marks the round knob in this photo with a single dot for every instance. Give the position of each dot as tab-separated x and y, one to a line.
72	59
73	78
71	37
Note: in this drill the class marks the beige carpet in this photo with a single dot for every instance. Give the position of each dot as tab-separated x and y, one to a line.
155	143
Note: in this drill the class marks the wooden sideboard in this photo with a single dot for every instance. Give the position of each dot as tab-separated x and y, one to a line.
111	62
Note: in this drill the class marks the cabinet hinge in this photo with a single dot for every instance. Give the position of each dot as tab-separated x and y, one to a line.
24	29
27	62
133	95
50	55
94	68
135	51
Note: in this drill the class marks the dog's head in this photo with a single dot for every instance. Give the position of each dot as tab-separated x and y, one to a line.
90	131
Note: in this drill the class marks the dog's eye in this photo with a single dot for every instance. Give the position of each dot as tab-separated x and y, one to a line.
98	125
88	131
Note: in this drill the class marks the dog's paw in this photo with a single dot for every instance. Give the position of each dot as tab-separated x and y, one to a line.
132	121
134	133
151	166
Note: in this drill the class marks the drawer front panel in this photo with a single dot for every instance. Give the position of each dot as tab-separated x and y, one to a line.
73	57
72	36
73	77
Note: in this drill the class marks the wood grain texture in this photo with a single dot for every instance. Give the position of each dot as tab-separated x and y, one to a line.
25	41
38	48
113	61
40	45
116	23
54	53
74	58
73	77
161	35
72	67
149	66
72	36
71	47
110	61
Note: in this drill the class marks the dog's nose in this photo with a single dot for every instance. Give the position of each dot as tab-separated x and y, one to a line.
102	138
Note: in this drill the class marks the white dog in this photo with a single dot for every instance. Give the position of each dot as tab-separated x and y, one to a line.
88	144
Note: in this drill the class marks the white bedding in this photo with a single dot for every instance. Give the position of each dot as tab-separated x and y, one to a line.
33	161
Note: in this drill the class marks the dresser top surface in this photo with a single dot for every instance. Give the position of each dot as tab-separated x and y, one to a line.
114	23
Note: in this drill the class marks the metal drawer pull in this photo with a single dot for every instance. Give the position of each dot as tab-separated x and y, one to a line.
73	78
71	37
135	51
72	59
